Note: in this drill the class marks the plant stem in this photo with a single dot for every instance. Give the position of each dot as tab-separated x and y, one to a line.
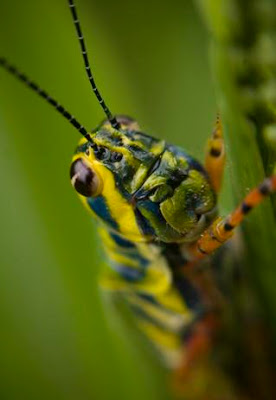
244	64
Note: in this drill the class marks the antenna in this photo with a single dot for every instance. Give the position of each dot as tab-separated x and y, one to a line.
111	118
32	85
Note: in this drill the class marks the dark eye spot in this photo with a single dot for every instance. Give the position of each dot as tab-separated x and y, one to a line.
102	153
83	178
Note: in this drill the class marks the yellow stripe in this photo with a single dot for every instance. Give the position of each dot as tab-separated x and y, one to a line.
174	302
172	321
121	211
107	239
156	282
162	338
169	345
122	259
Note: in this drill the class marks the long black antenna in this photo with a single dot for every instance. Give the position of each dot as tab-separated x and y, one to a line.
32	85
111	117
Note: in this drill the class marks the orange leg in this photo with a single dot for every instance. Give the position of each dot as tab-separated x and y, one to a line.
215	156
222	228
190	379
199	343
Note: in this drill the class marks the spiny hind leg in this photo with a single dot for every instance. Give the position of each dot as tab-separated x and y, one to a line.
222	228
215	156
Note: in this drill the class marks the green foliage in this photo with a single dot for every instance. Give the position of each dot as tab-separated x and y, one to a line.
150	62
243	57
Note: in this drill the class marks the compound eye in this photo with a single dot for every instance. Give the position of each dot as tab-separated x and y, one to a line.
84	179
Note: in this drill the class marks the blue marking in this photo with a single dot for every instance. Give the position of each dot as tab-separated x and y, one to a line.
134	255
131	273
129	250
189	293
148	298
137	257
143	315
100	208
143	224
128	273
193	163
121	174
156	219
149	205
121	241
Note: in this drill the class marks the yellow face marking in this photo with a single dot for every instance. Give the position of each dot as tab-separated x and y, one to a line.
119	208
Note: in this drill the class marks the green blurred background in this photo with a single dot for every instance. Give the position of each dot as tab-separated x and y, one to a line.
150	60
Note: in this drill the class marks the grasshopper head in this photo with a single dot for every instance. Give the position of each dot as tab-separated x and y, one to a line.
141	187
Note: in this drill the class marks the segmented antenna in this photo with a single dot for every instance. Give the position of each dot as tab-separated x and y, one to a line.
32	85
111	118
